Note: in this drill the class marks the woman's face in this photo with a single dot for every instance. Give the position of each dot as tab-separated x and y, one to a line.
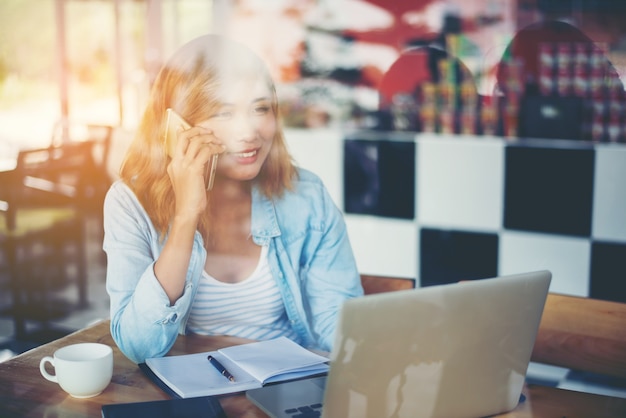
245	123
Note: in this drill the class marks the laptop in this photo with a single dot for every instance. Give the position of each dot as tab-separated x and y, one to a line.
454	350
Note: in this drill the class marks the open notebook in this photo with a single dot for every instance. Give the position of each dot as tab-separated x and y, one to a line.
456	350
252	365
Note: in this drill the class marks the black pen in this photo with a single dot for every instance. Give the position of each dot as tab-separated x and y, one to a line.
221	368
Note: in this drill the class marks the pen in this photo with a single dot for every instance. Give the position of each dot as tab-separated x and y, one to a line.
221	368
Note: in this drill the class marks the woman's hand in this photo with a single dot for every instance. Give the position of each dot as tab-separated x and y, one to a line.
194	148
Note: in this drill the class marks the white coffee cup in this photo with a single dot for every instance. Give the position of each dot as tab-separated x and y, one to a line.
82	370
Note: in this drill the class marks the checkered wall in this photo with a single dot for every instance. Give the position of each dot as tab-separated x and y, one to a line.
443	209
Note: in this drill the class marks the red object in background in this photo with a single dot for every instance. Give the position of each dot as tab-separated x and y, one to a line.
527	45
401	32
416	67
406	74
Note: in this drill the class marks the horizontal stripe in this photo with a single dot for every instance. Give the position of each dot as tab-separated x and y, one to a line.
252	308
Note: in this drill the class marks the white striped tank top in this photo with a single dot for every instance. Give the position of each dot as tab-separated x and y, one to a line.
252	308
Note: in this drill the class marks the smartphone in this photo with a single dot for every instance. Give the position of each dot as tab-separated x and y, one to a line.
173	123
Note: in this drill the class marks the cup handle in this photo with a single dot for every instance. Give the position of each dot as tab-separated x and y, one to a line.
44	372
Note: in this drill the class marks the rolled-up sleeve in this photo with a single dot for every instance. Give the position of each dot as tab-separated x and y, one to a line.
143	323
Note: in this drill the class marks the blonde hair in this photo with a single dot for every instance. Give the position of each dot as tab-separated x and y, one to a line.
188	83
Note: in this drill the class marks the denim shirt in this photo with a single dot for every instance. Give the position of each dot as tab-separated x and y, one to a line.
308	251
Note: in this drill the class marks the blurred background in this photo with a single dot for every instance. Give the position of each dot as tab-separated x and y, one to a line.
462	139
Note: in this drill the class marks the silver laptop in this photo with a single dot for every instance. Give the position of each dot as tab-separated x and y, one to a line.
456	350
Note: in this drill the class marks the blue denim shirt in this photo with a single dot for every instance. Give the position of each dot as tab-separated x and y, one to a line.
309	255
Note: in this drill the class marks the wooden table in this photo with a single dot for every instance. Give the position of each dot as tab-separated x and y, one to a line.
25	393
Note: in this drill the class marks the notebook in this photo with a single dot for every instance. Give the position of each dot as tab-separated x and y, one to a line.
250	365
455	350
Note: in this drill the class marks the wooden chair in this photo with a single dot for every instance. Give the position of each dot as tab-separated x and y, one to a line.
378	284
41	257
583	334
44	203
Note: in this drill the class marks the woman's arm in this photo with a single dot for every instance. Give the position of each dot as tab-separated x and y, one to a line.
331	272
186	170
144	322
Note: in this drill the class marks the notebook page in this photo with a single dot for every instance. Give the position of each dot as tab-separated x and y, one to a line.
193	375
275	358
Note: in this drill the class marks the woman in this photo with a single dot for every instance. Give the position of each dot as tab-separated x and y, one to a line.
264	253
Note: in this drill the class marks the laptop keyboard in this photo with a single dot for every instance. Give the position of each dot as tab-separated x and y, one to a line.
307	411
